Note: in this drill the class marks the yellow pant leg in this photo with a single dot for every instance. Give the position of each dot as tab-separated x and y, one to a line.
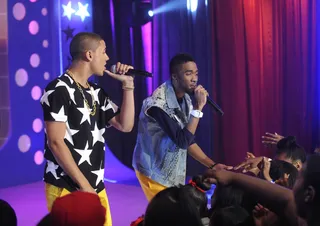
52	193
105	202
149	187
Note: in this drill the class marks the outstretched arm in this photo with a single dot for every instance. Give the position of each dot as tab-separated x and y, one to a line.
276	198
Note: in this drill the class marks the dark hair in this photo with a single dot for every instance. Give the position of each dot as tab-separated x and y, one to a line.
312	175
197	192
178	60
231	195
46	221
291	149
82	42
279	168
231	216
225	196
172	207
7	214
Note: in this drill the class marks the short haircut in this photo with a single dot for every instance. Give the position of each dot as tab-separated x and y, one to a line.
178	60
82	42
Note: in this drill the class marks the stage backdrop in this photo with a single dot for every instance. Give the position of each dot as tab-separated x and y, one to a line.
124	44
34	39
256	58
264	74
30	66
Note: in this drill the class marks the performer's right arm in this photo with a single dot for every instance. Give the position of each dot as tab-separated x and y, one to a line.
62	154
200	95
183	138
55	104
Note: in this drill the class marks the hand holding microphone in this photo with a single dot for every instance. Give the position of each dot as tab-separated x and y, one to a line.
128	70
118	72
202	97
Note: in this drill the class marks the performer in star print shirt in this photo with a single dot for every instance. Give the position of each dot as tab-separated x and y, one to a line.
76	114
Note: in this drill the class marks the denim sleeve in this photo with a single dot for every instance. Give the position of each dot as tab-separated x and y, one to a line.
183	138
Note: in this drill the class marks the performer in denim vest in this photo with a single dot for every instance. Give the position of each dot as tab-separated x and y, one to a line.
167	126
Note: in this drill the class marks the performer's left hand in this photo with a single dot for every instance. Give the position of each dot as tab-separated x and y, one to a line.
121	70
222	166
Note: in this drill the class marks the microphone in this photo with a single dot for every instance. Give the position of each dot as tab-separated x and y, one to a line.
133	72
214	105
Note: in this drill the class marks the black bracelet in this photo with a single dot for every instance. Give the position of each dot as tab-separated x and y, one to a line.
211	167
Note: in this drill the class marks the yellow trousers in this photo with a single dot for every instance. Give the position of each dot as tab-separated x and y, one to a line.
149	187
53	192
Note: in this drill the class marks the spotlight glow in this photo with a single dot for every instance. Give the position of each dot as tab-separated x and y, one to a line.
192	5
150	13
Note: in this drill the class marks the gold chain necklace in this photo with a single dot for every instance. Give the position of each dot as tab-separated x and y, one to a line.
94	108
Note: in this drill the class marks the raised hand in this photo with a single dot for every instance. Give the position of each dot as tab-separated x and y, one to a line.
266	169
200	95
260	215
121	69
250	155
249	163
271	139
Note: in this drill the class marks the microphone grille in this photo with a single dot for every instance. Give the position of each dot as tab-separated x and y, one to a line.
113	69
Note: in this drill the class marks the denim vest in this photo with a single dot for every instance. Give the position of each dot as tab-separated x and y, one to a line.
156	155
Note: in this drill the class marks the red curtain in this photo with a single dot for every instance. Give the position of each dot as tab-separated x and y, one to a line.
264	71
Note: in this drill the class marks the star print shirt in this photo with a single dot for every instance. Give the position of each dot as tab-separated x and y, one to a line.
63	102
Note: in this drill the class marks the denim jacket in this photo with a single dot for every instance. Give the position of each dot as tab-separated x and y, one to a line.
156	155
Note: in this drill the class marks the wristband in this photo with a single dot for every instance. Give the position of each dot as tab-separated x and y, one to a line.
211	167
196	113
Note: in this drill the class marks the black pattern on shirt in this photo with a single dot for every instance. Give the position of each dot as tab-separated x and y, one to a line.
63	102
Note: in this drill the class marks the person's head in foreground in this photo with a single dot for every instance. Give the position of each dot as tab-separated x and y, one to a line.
172	207
8	216
307	188
288	150
78	209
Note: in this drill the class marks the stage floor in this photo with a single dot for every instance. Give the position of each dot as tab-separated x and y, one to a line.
127	202
126	198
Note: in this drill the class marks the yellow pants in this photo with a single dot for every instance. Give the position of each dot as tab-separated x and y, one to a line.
149	187
53	192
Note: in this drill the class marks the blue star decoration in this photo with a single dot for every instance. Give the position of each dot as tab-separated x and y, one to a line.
82	11
68	10
69	32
